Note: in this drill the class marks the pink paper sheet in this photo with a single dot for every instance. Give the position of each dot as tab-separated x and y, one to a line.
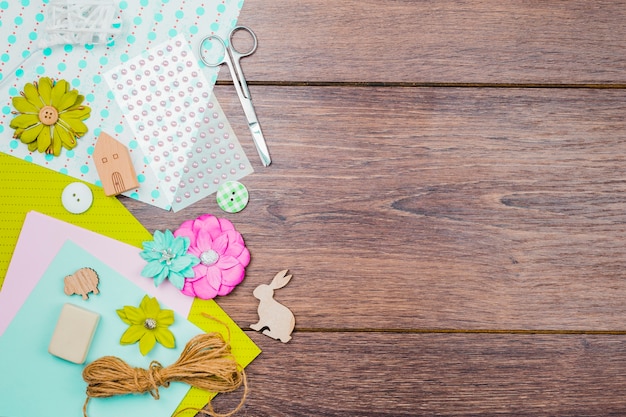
40	240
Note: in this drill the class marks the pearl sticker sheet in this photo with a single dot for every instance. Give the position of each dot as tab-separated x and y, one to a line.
163	93
210	154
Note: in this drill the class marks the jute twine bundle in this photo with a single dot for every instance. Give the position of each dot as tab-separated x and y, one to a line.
206	363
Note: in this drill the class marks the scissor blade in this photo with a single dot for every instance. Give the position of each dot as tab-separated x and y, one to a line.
255	129
259	142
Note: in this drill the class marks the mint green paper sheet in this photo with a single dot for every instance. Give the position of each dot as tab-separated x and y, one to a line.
35	383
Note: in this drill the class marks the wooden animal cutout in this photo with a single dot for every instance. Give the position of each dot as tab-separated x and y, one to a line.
276	320
82	282
114	166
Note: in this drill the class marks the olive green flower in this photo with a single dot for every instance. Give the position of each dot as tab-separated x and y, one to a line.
148	324
49	116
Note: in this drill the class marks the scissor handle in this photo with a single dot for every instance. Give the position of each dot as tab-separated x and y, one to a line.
228	49
234	50
203	56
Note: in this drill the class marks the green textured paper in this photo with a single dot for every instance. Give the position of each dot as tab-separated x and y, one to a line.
25	186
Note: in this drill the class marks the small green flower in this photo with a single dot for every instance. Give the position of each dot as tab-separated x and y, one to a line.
148	324
168	258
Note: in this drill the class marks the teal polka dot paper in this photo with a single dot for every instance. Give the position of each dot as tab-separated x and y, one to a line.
143	25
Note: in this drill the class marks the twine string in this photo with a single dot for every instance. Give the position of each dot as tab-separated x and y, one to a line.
206	362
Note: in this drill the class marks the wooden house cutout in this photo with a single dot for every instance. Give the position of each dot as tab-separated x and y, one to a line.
114	166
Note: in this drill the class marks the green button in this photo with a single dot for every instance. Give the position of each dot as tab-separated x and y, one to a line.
232	197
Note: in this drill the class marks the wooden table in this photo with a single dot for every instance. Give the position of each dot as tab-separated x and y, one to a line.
448	189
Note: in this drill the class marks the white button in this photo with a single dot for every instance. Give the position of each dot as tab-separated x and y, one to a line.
77	198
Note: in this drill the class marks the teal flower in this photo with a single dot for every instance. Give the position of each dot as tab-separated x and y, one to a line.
168	258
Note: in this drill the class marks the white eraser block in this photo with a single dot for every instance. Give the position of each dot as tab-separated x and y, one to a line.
73	333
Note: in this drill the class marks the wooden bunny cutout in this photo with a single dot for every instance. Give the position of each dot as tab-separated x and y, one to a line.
276	319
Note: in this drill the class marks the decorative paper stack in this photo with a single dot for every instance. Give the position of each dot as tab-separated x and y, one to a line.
31	300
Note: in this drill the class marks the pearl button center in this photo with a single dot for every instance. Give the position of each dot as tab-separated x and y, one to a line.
209	257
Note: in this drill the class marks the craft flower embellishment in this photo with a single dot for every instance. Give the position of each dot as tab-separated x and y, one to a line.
49	116
168	258
222	253
147	325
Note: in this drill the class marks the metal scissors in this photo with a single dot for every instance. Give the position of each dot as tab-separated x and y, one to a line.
231	58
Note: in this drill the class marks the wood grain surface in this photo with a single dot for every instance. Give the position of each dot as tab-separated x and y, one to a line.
447	189
364	375
449	41
347	374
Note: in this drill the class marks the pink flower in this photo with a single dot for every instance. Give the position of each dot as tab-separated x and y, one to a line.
222	252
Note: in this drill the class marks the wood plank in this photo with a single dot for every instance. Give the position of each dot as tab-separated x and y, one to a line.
434	208
450	41
366	374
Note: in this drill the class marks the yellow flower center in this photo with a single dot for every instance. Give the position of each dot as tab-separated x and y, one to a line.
48	115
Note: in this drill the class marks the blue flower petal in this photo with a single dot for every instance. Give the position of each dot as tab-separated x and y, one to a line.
187	242
194	259
178	263
159	240
178	246
188	272
177	280
160	277
150	255
148	245
152	269
169	238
